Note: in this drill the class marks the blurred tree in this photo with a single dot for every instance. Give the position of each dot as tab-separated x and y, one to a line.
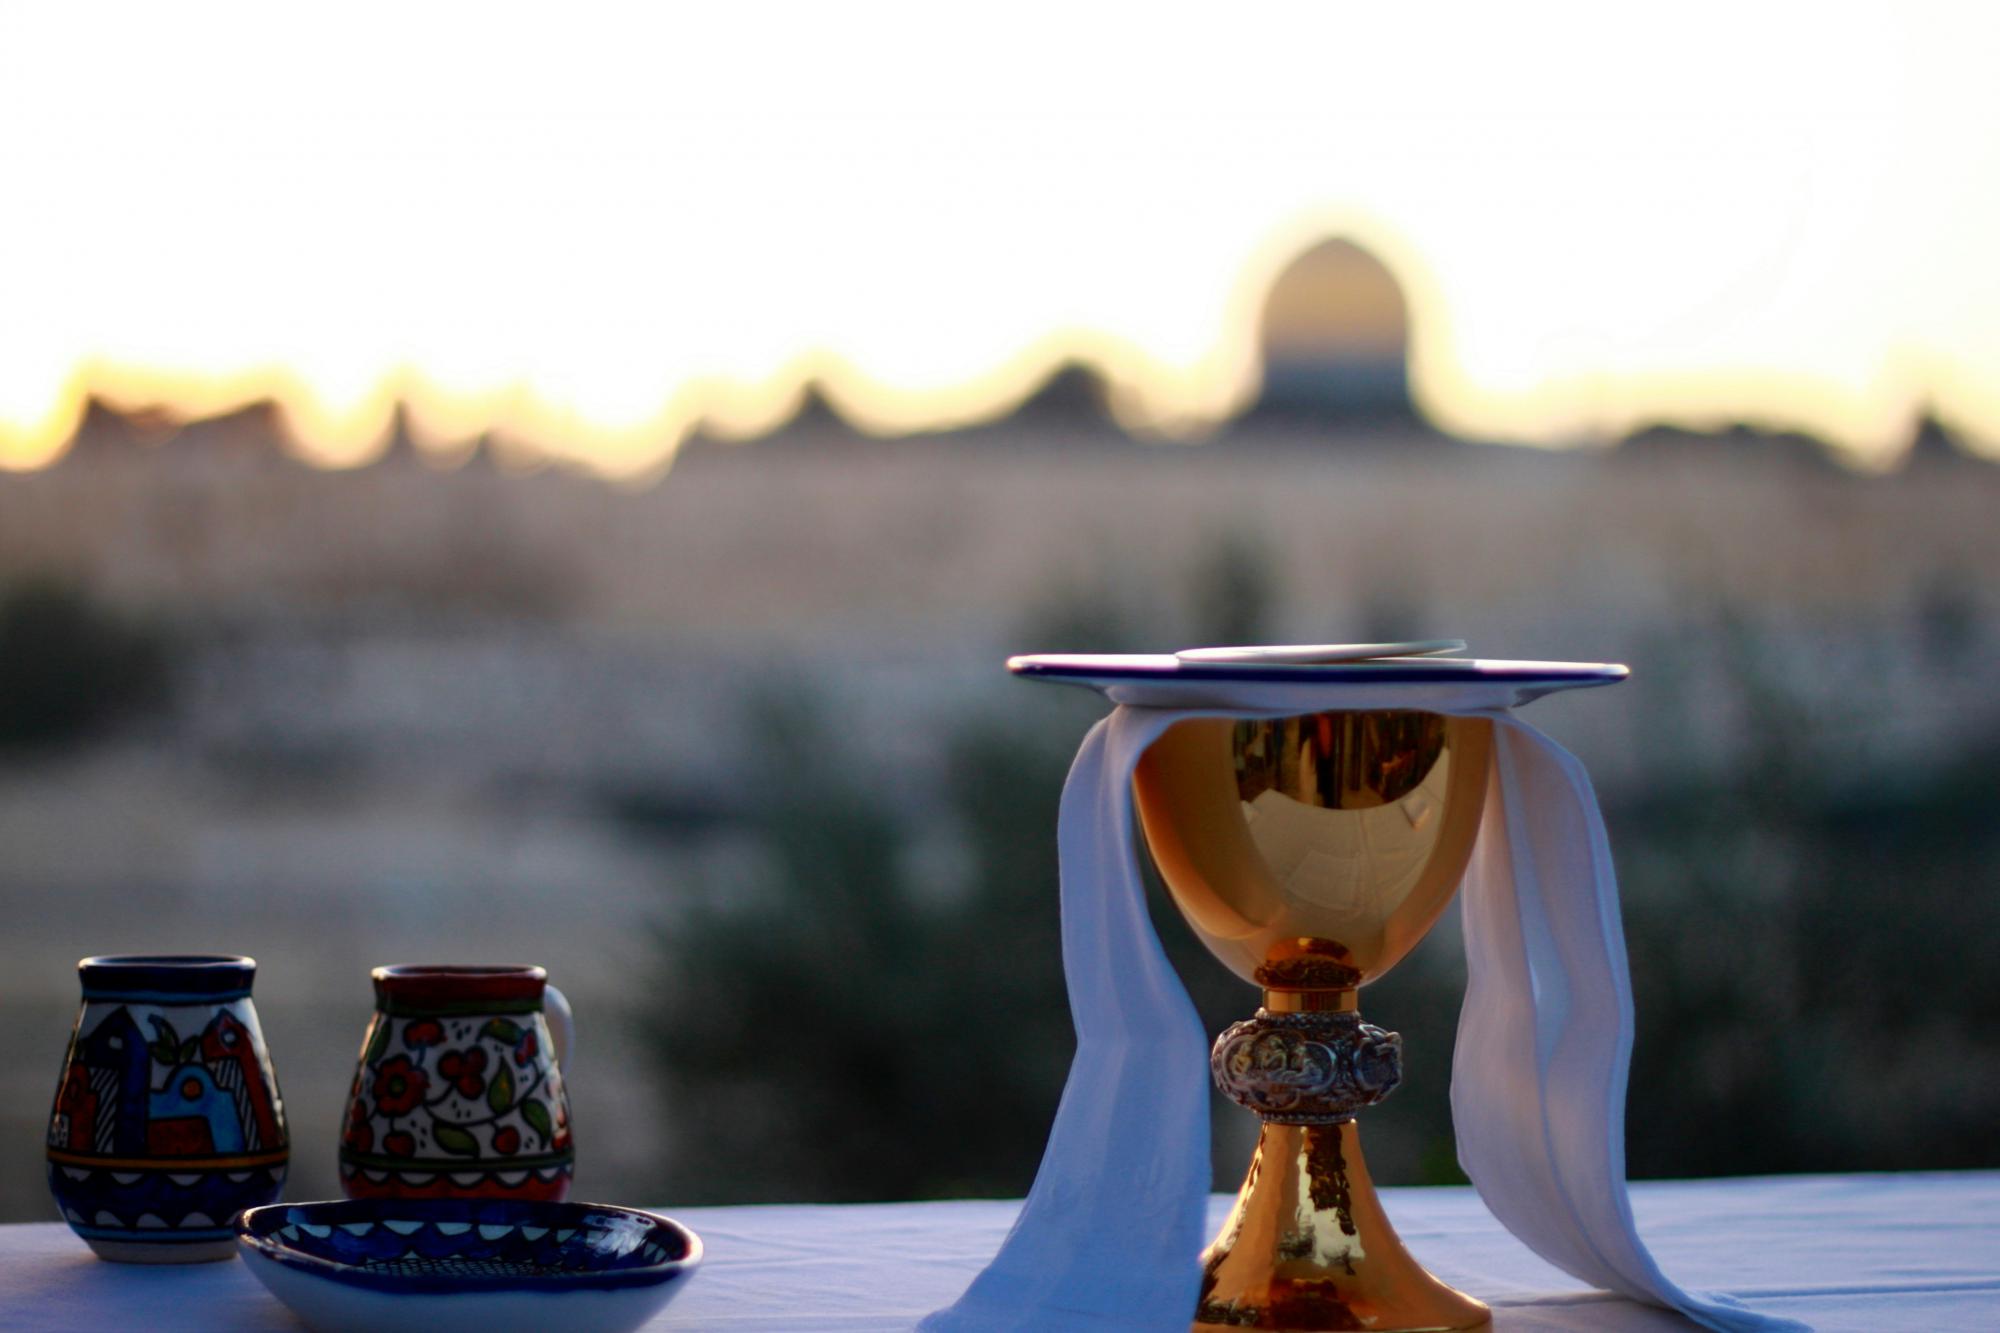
1800	937
1949	621
1082	618
69	667
1392	612
844	1033
1233	592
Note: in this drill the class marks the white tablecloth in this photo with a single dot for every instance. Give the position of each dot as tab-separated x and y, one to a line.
1861	1253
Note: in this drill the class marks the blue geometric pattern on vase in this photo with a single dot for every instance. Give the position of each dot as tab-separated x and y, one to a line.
91	1195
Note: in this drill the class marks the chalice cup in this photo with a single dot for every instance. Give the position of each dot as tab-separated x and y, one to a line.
1310	854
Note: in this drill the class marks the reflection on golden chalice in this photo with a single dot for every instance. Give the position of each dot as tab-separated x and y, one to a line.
1310	854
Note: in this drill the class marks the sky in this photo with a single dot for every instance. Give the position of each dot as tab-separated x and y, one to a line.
597	228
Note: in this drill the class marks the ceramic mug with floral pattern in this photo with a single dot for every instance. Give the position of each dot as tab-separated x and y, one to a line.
458	1094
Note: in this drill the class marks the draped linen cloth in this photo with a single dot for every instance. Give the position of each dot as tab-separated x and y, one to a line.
1110	1235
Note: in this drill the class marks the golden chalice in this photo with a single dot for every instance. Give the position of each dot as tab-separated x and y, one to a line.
1310	854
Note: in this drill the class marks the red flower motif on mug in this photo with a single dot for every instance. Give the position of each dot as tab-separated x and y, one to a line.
465	1070
562	1128
359	1135
399	1085
423	1032
399	1144
507	1140
524	1049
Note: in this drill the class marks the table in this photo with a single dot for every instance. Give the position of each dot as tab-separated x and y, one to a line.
1860	1252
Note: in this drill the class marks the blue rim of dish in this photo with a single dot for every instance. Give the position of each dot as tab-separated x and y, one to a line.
1085	669
167	977
258	1234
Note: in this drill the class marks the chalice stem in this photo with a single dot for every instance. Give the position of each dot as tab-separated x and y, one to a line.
1307	1247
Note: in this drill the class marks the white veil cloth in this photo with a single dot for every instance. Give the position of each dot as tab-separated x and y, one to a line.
1110	1236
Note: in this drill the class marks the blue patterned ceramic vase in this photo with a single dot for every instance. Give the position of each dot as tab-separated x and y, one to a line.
167	1122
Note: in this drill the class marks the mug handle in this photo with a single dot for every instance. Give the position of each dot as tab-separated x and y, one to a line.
556	1006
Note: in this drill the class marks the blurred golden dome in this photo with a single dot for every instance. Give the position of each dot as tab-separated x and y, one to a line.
1335	337
1335	302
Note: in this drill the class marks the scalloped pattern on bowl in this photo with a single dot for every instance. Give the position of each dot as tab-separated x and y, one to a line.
441	1265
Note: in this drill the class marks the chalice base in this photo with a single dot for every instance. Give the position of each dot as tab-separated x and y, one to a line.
1307	1248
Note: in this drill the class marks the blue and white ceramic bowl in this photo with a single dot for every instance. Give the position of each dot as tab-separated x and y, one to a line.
467	1265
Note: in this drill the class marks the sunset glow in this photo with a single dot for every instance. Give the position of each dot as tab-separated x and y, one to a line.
595	229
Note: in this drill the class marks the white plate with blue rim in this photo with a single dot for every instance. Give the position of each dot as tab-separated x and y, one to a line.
467	1265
